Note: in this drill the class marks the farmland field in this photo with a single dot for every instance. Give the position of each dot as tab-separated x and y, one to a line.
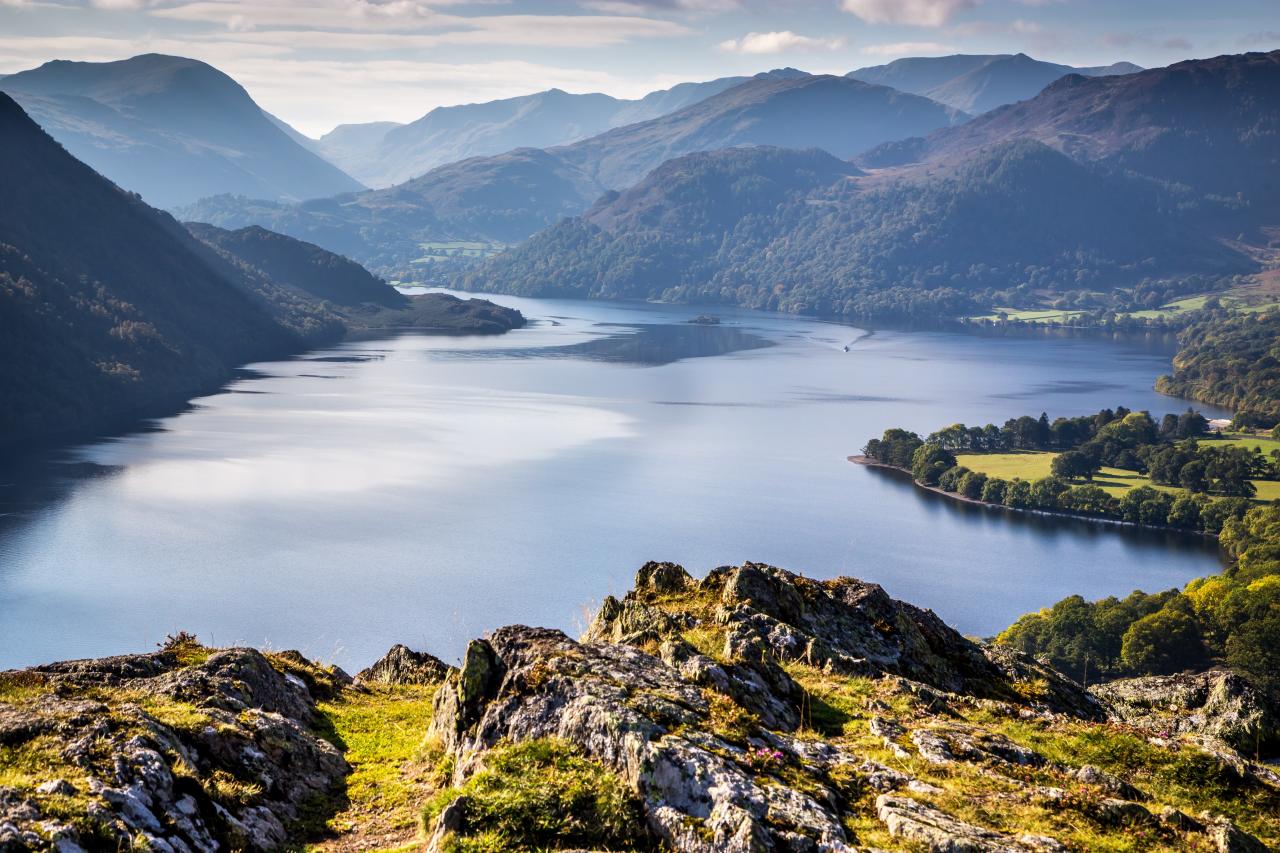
1032	465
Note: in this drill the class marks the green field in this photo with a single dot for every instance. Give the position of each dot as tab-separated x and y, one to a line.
1031	315
445	249
1031	465
1246	300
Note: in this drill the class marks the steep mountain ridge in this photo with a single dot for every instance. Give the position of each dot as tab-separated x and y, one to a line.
172	129
977	83
110	309
383	153
510	196
1094	185
1207	128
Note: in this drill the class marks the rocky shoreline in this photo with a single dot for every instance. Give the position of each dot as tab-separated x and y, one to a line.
752	710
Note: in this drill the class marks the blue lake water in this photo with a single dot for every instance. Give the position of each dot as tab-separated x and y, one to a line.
426	489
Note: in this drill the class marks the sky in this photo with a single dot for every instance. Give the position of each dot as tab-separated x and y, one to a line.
319	63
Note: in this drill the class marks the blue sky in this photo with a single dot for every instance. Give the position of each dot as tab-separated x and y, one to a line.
318	63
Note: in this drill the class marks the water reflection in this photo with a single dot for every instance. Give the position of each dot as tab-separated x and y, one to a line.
431	488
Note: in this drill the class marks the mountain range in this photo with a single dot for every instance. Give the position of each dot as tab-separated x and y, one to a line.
171	129
978	83
1095	184
385	153
1208	130
510	196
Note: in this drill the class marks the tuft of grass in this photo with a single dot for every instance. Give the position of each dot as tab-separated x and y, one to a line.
186	648
226	789
21	686
543	795
728	720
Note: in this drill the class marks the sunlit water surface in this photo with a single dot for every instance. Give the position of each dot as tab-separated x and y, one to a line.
426	489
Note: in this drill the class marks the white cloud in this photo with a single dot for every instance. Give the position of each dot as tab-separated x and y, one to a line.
916	13
118	5
339	23
780	42
908	48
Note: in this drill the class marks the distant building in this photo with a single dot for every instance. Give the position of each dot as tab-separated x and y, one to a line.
1219	424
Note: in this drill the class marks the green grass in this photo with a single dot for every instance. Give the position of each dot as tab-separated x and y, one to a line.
1024	465
1032	315
446	249
543	794
382	734
1245	300
1033	465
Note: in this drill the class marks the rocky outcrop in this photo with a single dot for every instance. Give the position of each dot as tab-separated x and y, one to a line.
402	665
1217	704
636	714
846	625
213	753
688	691
753	711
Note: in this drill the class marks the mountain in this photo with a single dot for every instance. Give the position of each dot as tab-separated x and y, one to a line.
510	196
1162	181
108	308
977	83
301	267
382	153
353	148
837	114
172	129
804	232
1209	130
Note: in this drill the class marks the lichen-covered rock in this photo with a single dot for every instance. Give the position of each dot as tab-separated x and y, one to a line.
844	624
402	665
215	753
1218	704
636	715
937	831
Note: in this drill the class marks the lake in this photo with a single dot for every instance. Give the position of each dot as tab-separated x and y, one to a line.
426	489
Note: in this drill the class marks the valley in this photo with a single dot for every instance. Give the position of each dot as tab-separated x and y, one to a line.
256	427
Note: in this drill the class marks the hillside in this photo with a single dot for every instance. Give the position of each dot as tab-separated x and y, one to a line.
1233	362
511	196
839	115
382	153
171	129
302	267
1208	129
110	310
1092	188
752	710
813	237
978	83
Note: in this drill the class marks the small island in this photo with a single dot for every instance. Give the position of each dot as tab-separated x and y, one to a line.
705	320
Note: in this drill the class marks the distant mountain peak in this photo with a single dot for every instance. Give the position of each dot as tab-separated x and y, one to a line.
173	129
976	83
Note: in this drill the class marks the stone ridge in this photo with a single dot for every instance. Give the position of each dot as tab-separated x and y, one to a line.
711	700
753	711
845	624
168	754
402	665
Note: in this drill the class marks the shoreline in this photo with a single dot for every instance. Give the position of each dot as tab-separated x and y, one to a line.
868	462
